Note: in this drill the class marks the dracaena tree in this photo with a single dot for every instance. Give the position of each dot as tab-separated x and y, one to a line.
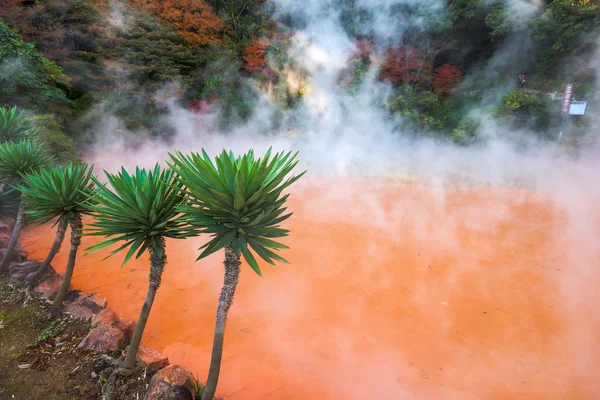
141	212
18	159
61	194
240	202
13	126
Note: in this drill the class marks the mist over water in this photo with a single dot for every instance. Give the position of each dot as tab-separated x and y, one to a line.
420	269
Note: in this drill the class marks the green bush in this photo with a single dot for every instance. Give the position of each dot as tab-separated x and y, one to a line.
50	132
27	78
466	131
530	110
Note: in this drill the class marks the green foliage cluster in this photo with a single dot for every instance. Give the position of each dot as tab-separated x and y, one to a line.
466	131
566	28
27	78
16	125
13	125
57	192
21	158
222	81
532	110
50	132
139	211
433	113
239	201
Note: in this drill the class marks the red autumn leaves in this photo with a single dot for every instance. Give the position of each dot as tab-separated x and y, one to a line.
446	78
256	56
409	65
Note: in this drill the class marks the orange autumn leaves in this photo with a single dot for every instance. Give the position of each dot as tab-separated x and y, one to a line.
256	56
409	65
195	20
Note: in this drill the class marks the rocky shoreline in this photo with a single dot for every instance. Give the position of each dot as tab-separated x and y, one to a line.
108	336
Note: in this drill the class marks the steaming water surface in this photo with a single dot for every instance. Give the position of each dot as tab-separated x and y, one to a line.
394	291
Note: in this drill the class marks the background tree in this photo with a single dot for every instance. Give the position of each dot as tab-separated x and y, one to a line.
195	20
141	213
567	27
256	57
405	65
27	78
239	201
17	159
446	78
60	194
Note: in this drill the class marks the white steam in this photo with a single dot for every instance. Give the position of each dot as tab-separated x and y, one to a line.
351	135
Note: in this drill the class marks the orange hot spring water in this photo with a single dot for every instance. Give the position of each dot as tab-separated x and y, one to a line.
394	291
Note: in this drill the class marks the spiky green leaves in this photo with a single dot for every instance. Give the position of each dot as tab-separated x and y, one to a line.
13	125
58	192
140	211
237	200
20	158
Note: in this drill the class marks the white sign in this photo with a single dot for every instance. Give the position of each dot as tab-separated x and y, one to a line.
577	107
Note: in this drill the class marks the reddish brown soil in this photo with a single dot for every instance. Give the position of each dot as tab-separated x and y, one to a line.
394	291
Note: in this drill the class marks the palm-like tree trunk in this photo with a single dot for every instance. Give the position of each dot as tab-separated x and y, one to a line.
76	230
2	186
14	239
157	265
232	274
33	279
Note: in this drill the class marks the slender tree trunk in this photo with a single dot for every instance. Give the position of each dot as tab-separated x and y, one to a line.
33	279
157	265
14	238
76	229
2	186
232	274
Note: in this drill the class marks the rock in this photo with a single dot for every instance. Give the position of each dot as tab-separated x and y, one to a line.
49	288
103	338
105	317
22	254
171	383
50	295
19	255
84	305
151	359
19	271
4	228
127	326
4	239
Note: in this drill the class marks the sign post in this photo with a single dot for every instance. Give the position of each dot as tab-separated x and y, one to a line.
566	104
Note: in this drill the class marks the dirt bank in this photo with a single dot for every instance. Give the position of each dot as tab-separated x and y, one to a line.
394	291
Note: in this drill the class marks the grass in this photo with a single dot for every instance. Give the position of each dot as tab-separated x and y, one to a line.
54	329
13	388
197	387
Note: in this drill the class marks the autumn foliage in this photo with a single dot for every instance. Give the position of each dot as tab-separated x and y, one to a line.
405	65
256	57
363	51
446	78
195	20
